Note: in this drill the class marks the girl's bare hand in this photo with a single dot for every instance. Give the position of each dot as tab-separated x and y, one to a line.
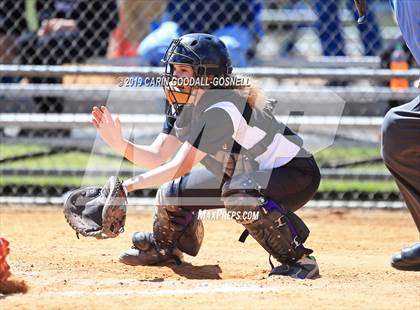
108	128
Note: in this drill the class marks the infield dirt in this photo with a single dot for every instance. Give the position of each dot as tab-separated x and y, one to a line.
352	247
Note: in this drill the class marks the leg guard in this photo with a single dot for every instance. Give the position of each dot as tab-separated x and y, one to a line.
174	226
175	230
280	232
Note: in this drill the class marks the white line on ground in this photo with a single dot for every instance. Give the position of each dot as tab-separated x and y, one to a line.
163	292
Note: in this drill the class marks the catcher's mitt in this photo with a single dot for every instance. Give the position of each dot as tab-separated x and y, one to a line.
97	212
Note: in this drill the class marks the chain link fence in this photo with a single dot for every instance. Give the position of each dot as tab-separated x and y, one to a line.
53	31
307	54
57	32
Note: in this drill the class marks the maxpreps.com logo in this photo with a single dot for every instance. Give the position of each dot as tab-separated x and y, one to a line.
202	81
244	217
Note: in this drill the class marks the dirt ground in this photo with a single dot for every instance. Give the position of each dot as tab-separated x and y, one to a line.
352	247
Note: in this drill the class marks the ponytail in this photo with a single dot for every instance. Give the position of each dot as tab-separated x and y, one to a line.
252	93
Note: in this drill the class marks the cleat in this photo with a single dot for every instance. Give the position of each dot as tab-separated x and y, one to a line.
304	268
408	259
146	252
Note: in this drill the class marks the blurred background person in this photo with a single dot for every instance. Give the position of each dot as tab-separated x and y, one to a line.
137	18
57	32
235	22
12	25
330	31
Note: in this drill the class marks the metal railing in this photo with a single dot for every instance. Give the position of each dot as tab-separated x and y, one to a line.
79	120
256	72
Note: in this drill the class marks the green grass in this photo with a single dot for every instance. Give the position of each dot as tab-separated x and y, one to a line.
79	160
365	186
339	155
19	149
326	185
345	154
71	160
52	181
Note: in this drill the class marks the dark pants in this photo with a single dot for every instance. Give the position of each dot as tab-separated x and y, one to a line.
401	152
291	185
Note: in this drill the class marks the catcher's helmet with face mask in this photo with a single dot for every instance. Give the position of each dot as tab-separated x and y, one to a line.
205	53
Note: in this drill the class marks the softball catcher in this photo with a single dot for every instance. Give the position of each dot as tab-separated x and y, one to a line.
251	163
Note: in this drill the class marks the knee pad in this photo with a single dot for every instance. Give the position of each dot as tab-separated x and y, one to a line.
279	231
174	226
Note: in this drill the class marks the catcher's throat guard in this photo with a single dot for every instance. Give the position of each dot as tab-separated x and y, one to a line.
97	212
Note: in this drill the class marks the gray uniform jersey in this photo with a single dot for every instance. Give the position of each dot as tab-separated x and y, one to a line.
223	122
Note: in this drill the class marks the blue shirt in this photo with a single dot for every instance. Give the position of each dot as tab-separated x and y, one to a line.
210	15
407	14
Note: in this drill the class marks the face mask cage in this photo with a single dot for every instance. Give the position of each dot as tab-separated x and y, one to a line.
176	89
179	53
